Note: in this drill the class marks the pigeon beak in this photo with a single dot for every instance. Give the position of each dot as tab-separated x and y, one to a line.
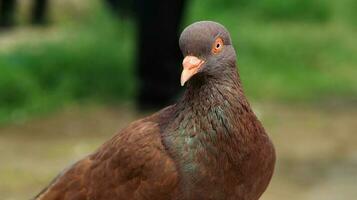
191	65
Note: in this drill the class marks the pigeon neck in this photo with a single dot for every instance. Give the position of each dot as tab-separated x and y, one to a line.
212	103
206	91
205	126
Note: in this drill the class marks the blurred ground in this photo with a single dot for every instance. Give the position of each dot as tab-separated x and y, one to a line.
316	147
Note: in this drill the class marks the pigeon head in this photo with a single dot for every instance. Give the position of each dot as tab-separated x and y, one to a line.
208	50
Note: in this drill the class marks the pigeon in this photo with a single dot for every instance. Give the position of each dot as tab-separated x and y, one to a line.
208	145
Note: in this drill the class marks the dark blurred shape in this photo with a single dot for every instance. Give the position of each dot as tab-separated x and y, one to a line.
7	11
159	58
122	8
39	12
159	54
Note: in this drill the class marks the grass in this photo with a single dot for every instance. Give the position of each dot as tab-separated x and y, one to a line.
88	63
287	51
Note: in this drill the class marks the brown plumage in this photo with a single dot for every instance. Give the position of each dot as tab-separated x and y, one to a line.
209	145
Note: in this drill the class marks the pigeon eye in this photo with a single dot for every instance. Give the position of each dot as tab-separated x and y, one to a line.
217	46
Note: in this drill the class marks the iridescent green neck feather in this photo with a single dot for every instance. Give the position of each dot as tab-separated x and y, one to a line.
202	126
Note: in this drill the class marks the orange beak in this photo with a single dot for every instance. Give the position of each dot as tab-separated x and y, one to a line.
191	65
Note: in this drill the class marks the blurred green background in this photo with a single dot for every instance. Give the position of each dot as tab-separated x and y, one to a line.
65	88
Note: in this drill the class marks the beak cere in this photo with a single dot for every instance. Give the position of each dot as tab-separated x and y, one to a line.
191	65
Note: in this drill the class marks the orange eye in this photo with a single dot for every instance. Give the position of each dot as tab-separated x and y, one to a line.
217	46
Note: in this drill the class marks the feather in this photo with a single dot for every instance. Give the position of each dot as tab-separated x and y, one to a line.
209	145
